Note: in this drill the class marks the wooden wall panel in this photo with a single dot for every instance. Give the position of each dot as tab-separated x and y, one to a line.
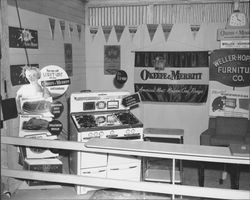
72	10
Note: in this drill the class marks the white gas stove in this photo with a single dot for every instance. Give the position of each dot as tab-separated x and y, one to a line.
102	115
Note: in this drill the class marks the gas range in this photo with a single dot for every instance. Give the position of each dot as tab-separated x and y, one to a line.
102	115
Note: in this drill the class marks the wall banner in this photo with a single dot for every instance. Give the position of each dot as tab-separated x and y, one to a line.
171	84
229	103
23	38
230	67
68	58
112	59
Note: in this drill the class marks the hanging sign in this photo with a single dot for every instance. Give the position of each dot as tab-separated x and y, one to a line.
230	67
55	79
23	38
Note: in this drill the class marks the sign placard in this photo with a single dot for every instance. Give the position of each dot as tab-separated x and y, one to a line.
229	103
55	127
232	34
56	109
131	100
234	44
55	79
230	67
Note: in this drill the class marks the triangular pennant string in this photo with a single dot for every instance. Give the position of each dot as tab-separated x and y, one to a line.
106	31
166	30
132	31
119	31
195	29
71	29
93	31
62	25
52	27
79	30
151	30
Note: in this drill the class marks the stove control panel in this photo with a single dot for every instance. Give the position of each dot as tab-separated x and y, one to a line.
97	101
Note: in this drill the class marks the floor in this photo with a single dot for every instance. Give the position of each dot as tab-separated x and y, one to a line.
190	177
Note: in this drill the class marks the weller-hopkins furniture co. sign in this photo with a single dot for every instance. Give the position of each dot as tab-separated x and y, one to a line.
230	67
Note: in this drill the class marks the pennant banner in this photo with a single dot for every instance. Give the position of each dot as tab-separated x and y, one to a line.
62	26
93	31
195	29
71	29
52	23
119	31
106	31
132	31
79	30
166	30
151	30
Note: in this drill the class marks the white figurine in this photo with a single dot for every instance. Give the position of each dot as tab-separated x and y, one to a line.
33	89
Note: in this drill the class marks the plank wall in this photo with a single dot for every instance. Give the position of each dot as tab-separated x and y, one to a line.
35	15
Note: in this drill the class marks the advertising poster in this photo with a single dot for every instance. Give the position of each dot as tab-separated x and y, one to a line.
16	74
230	67
112	59
171	77
229	103
55	79
23	38
68	58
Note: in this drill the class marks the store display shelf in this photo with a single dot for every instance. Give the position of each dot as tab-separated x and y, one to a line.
162	175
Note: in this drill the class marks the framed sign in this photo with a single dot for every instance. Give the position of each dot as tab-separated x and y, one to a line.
230	67
112	59
23	38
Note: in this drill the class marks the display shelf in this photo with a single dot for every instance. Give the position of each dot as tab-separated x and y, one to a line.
162	175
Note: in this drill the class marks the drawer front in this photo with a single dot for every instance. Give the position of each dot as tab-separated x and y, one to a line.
122	159
89	160
130	171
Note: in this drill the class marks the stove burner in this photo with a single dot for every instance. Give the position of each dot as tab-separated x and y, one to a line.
86	121
127	118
